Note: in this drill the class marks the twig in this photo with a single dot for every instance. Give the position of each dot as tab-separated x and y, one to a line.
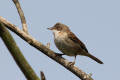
42	76
48	45
17	54
82	75
22	17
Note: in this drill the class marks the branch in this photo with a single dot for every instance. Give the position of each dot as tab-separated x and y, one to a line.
36	44
17	54
22	17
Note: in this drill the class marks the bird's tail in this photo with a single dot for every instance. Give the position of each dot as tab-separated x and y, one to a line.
94	58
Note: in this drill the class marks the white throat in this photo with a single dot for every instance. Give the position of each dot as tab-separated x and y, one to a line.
56	33
59	34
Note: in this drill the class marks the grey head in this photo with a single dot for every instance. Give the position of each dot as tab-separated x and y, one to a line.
60	27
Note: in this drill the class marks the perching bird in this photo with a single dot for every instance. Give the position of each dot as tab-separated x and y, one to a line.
68	43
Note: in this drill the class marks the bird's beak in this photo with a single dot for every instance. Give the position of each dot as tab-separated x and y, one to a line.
51	28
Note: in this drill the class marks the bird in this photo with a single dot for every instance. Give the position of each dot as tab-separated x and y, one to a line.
68	43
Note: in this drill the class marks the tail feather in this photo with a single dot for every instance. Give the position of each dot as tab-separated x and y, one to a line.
94	58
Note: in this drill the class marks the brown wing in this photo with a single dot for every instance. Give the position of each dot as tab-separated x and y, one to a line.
76	40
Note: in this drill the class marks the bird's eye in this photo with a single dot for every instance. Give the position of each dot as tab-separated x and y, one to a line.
59	28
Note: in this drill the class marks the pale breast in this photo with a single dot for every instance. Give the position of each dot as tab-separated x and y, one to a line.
64	44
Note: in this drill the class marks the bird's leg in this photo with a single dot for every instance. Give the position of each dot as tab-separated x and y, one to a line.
72	63
74	59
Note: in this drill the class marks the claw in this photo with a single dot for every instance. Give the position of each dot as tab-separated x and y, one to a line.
58	54
71	63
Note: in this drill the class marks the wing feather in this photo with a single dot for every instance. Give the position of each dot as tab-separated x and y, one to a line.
76	40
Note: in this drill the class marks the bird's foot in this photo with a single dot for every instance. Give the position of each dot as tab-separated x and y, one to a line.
59	54
71	63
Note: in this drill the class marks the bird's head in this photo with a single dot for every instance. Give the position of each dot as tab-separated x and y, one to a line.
59	27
